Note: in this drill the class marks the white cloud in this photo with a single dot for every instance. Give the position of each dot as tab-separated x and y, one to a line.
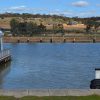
17	8
59	12
86	13
80	3
21	9
71	13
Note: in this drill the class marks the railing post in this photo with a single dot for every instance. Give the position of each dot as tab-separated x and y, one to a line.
1	40
4	53
1	44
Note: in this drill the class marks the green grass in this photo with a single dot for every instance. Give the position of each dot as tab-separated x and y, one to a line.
94	97
62	98
7	98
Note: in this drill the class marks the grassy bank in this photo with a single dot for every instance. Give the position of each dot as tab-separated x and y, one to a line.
53	98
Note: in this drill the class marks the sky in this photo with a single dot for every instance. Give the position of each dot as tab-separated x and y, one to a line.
70	8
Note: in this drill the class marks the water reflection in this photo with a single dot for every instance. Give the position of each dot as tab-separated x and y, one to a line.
4	70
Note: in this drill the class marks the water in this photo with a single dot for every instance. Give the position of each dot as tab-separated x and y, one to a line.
50	66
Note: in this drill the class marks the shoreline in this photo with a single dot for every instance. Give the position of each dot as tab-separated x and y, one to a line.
71	39
50	92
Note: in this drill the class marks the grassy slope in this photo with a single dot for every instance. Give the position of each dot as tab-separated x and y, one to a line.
5	23
6	20
53	98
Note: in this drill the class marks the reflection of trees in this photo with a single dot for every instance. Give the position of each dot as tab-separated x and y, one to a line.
4	70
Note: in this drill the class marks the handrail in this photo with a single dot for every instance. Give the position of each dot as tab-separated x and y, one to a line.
5	53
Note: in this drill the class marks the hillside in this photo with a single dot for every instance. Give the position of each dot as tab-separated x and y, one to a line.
45	19
5	22
70	25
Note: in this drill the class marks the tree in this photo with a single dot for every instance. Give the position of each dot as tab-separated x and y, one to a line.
41	28
29	28
14	26
35	28
58	28
96	26
92	24
32	28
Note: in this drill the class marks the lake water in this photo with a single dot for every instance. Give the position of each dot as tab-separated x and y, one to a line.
50	66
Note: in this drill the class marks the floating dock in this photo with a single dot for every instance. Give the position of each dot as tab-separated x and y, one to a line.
5	54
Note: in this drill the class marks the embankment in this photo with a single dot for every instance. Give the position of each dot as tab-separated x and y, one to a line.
79	39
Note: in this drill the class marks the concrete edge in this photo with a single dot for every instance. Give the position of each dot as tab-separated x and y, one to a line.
49	92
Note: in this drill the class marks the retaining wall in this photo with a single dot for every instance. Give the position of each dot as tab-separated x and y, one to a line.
49	92
48	39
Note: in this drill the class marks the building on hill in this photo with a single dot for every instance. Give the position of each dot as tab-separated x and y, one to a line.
72	23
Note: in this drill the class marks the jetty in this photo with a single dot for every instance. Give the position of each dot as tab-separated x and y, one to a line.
5	54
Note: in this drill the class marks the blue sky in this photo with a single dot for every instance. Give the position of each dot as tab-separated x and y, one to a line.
81	8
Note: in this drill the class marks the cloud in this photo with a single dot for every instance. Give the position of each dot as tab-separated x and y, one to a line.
17	8
60	12
68	13
80	3
23	9
88	13
71	13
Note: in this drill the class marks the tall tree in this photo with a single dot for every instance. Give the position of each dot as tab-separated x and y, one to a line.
14	26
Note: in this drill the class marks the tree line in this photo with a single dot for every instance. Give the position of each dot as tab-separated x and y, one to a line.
25	28
27	15
29	28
